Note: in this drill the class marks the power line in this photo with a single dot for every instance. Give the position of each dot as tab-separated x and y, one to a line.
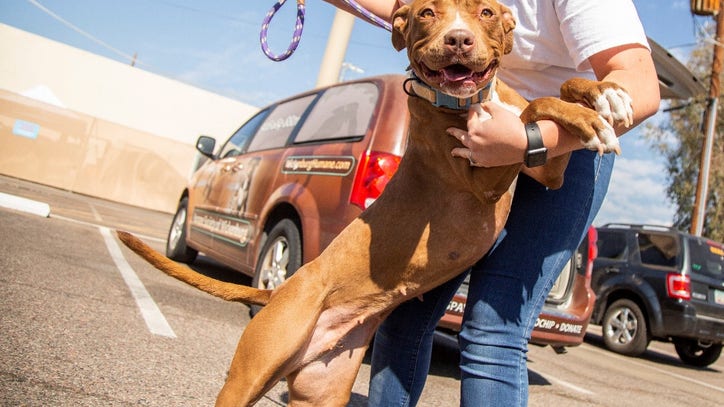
208	12
131	58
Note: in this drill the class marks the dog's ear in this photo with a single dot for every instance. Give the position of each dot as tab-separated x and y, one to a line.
508	22
399	27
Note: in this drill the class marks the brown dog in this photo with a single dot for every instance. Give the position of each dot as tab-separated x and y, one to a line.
315	328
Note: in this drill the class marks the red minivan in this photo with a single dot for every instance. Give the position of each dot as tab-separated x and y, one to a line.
293	176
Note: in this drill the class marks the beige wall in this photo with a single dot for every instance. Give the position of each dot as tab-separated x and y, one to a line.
106	129
80	153
113	91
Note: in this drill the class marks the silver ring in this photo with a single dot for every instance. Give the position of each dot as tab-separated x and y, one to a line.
470	158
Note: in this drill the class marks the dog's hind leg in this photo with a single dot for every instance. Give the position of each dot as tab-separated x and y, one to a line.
335	372
274	341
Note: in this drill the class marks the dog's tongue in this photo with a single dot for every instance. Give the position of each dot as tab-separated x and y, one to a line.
456	73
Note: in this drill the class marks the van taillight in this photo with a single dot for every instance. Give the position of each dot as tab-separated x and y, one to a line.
678	286
592	250
373	173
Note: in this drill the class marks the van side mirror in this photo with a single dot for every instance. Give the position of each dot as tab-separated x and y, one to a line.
205	145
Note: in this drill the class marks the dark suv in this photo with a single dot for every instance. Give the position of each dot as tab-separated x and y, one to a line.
655	282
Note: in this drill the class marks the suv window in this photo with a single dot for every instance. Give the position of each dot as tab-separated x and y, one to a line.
341	112
238	141
658	249
280	123
612	245
707	258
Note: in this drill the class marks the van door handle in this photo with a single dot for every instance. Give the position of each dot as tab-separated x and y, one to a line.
612	269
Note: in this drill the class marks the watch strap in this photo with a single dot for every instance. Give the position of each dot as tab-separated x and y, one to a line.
536	154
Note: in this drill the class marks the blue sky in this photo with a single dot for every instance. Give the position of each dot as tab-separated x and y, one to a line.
214	45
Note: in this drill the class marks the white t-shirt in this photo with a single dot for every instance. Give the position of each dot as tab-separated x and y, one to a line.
554	38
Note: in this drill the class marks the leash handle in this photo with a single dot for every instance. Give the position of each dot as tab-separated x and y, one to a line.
299	27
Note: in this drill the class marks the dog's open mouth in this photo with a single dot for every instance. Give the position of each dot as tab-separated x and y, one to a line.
458	80
459	75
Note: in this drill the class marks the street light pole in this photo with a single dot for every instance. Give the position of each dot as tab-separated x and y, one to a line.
339	35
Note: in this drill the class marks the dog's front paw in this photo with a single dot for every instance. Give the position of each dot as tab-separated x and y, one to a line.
608	99
614	104
605	140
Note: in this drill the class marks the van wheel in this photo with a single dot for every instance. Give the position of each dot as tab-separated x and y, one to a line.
280	257
176	248
696	354
624	328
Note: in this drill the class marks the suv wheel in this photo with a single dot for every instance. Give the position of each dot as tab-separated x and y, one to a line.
280	257
176	248
624	328
694	353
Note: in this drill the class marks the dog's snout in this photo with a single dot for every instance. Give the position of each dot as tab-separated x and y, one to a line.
459	40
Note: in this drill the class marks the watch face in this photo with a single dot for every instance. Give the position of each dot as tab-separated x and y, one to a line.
535	158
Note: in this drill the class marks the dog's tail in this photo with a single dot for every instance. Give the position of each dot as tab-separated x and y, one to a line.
226	291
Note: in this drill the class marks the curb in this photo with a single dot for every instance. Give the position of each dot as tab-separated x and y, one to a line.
24	205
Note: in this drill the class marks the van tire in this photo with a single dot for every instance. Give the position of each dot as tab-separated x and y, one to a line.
176	248
279	258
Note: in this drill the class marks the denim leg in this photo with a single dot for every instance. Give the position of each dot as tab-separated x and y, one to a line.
509	286
402	347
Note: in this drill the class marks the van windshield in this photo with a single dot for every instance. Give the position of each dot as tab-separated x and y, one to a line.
707	258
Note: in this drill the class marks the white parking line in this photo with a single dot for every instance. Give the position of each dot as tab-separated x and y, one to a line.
155	320
570	386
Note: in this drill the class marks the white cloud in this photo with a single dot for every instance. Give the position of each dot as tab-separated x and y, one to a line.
637	194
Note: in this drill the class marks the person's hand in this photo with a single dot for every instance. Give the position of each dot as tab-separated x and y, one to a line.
495	137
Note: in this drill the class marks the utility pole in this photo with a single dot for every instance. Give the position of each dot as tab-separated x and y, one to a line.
339	35
702	186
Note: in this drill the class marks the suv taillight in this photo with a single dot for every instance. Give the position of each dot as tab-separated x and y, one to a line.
373	173
678	286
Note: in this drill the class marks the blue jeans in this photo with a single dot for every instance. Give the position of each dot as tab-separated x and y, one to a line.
508	288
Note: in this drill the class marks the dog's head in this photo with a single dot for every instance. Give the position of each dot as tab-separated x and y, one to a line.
454	46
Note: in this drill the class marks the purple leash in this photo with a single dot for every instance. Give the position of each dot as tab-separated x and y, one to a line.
299	26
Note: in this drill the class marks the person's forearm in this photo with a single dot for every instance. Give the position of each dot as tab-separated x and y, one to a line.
632	69
381	8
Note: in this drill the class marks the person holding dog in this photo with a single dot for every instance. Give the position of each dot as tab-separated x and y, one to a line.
555	40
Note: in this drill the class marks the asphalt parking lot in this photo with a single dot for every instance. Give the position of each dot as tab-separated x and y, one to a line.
83	322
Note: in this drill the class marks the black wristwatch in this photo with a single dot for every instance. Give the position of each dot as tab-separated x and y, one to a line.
537	153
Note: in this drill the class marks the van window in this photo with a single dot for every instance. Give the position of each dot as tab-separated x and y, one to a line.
278	126
612	245
707	258
238	141
342	112
658	249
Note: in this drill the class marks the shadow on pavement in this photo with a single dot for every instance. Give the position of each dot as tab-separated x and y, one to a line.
651	355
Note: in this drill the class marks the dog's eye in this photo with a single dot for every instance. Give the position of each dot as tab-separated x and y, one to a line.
427	13
487	13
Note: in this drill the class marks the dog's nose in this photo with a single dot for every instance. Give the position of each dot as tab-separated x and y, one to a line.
459	40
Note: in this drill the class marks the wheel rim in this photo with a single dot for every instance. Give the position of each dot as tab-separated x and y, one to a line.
177	228
622	326
274	264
